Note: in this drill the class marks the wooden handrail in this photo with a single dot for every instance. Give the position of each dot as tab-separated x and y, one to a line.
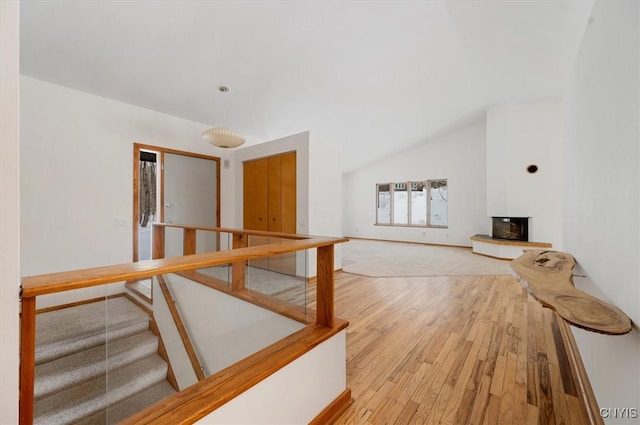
247	232
65	281
182	331
204	397
326	324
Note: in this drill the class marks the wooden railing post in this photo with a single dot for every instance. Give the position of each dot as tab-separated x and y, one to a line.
238	267
158	242
324	286
27	359
189	241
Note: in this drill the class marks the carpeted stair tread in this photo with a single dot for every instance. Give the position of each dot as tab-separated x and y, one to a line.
82	400
84	365
129	406
63	332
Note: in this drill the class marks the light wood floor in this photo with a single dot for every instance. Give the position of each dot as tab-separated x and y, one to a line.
453	350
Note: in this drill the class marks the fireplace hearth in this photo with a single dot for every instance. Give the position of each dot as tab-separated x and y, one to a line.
510	228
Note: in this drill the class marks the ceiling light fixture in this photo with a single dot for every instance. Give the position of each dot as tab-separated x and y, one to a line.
220	136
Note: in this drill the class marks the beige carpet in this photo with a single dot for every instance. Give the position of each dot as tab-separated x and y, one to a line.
386	259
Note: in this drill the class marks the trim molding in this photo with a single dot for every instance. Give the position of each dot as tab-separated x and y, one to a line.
413	242
333	411
587	395
77	303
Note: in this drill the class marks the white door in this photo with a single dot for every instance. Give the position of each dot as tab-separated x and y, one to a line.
190	198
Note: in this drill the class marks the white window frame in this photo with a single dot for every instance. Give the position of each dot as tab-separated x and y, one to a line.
409	185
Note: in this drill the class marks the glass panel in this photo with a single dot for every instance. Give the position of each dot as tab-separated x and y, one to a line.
383	214
70	354
136	374
419	203
173	242
207	241
224	328
438	203
400	204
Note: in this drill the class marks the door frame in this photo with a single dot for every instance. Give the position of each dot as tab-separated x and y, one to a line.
137	147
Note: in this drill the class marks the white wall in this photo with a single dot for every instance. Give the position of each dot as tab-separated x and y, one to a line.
602	192
325	192
77	174
10	209
518	135
458	156
295	394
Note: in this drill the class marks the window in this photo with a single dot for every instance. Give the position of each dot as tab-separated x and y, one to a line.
384	204
414	203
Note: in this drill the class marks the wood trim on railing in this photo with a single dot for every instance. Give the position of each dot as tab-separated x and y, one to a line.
274	304
184	336
204	397
64	281
189	242
281	235
325	286
27	359
238	268
157	241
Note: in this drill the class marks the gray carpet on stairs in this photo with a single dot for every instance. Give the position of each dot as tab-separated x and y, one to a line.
93	373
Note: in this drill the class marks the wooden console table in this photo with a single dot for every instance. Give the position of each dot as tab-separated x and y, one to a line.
548	276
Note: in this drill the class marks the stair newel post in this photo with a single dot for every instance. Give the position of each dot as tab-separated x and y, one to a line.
238	267
189	241
325	286
27	359
158	242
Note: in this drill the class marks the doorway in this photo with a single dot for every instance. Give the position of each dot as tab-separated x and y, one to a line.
187	191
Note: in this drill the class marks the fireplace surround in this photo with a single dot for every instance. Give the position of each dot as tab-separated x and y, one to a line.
510	228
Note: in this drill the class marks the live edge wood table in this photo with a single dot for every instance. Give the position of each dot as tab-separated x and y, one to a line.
548	276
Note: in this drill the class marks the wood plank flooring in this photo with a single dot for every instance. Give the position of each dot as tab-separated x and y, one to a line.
453	350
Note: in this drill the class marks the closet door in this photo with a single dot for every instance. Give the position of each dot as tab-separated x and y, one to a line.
256	203
256	195
269	202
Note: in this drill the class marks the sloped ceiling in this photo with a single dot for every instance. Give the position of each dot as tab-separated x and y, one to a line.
370	77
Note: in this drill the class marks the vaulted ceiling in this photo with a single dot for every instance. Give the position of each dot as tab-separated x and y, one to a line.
370	77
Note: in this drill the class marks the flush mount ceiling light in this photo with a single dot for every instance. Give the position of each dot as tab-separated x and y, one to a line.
223	137
220	136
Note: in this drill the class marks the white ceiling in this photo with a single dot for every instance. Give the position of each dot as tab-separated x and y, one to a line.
373	77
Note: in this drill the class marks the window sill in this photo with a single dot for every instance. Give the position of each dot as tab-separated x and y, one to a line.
417	226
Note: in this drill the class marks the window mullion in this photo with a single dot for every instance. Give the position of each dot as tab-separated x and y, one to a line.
409	191
391	203
428	183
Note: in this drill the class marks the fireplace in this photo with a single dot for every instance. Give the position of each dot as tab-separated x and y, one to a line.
511	228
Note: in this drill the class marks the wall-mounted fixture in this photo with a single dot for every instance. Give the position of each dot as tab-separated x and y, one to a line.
220	136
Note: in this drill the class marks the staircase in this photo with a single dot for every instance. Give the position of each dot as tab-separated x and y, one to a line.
88	372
